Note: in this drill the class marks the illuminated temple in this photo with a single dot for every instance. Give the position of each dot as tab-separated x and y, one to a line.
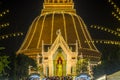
58	38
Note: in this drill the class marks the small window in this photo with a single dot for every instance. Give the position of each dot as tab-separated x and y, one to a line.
71	70
46	58
61	1
47	69
50	1
65	1
40	60
55	1
73	57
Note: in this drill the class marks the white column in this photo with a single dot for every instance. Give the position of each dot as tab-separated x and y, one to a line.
38	56
29	70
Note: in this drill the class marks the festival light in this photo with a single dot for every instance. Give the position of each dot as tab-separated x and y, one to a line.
116	32
118	29
116	16
11	35
116	8
4	25
115	13
106	30
4	12
109	42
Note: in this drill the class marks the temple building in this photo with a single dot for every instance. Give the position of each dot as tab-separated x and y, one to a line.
58	38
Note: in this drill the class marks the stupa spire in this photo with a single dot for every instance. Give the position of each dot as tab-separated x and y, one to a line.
58	6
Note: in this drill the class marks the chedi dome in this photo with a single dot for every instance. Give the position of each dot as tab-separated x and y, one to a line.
59	15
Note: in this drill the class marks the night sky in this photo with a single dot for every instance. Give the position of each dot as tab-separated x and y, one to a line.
23	12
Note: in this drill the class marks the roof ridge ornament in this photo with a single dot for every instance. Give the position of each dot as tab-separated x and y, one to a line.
58	32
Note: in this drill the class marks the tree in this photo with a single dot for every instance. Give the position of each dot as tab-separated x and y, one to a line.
82	65
3	63
22	64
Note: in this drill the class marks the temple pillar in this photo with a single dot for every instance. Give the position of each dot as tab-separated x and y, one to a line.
68	70
50	68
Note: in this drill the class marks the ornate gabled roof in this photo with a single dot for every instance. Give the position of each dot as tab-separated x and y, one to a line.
59	42
44	28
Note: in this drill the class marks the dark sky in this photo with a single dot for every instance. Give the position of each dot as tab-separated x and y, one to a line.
23	12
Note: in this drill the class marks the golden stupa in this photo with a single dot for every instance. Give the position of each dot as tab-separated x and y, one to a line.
58	29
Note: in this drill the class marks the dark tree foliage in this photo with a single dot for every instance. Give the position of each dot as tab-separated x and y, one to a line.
21	66
4	64
110	61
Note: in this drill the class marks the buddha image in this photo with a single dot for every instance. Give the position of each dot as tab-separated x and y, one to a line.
59	68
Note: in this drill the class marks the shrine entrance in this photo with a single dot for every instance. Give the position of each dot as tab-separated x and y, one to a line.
59	63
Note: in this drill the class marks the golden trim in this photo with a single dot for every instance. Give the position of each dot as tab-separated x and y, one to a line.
52	27
33	32
27	35
83	31
75	29
41	31
58	12
65	27
89	35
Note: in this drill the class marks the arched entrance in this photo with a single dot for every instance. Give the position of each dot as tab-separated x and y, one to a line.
59	63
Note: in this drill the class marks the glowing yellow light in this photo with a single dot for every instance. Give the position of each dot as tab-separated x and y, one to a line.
100	41
97	41
10	35
7	10
1	15
109	42
14	34
21	33
4	25
116	8
18	34
3	37
102	28
4	12
105	29
108	30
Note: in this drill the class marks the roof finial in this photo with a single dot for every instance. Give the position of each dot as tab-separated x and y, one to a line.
58	32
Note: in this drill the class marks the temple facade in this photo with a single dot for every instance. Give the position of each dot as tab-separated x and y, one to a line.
58	38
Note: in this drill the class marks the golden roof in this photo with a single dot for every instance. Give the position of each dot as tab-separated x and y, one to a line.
44	28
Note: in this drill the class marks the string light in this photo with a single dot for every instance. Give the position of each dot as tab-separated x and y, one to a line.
116	16
11	35
109	42
4	25
105	29
4	12
7	24
114	6
118	29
